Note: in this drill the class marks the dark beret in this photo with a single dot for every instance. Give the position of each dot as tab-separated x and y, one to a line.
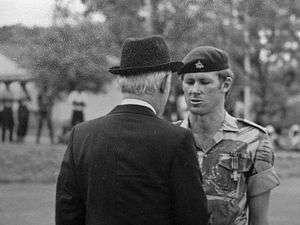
205	59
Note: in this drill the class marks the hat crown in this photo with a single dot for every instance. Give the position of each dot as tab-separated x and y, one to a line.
145	55
207	53
144	52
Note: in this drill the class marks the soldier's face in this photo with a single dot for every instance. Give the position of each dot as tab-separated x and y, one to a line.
203	92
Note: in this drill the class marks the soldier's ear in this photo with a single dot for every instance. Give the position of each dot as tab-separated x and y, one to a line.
226	85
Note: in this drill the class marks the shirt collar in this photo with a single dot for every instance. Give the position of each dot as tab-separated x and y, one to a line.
229	124
133	101
186	123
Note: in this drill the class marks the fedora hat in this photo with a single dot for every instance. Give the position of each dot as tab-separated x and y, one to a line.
141	55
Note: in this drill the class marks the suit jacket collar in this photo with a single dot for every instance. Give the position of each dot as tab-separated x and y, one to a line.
134	109
132	101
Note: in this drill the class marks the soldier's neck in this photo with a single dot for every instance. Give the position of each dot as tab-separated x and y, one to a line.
208	124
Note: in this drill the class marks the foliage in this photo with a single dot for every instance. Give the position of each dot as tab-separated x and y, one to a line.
14	40
63	57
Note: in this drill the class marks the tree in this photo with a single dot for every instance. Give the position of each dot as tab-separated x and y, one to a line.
62	57
272	47
67	56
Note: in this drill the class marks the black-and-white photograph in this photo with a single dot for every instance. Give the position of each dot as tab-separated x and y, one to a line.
149	112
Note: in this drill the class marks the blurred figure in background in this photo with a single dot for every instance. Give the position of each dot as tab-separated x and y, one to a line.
170	112
294	135
1	109
23	114
45	105
78	101
182	107
7	113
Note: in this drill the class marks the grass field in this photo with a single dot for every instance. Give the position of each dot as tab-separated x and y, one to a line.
28	173
33	204
30	162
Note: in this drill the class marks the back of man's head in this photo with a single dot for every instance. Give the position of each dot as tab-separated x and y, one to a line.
145	84
152	87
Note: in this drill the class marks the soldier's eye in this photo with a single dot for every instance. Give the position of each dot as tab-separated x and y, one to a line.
204	82
190	82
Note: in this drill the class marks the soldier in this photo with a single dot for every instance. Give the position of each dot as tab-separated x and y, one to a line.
78	100
235	155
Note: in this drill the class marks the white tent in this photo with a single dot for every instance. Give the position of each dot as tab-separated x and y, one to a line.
10	71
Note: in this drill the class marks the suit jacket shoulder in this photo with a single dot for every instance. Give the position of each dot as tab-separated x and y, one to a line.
173	131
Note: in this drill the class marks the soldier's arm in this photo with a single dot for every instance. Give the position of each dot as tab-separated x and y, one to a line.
262	180
258	209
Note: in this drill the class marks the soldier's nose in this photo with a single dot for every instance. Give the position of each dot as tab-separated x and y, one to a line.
196	89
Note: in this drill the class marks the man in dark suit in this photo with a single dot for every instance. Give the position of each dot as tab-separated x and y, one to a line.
130	166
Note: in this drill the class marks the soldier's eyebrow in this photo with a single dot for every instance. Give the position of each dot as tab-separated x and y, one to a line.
189	79
204	79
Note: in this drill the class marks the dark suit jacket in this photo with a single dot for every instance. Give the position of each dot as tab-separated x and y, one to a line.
130	167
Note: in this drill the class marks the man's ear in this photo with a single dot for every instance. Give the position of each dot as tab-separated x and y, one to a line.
163	84
226	85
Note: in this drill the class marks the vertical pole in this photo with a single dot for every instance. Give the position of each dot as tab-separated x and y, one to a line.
149	22
248	70
246	61
247	102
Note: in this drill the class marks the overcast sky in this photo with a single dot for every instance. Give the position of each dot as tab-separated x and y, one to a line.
27	12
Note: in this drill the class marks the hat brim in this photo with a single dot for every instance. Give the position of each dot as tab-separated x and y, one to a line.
172	66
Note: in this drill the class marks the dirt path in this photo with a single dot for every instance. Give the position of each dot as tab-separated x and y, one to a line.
33	204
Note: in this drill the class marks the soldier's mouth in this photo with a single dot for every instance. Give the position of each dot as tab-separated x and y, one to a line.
196	101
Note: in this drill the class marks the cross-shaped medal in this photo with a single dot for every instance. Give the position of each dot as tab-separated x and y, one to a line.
235	167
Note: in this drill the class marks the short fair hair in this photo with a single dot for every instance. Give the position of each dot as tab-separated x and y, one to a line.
147	83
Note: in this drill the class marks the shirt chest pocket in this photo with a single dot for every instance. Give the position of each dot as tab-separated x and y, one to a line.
231	171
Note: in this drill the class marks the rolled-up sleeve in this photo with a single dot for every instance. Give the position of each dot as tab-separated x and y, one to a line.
263	177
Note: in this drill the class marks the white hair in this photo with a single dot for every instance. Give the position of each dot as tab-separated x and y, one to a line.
140	84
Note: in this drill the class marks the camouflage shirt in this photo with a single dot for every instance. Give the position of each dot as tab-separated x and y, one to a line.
237	166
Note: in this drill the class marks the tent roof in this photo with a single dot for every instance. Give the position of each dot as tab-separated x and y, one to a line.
10	71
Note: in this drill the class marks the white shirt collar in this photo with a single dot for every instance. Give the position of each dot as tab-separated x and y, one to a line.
132	101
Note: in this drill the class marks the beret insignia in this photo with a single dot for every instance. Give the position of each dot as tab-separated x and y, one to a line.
199	65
